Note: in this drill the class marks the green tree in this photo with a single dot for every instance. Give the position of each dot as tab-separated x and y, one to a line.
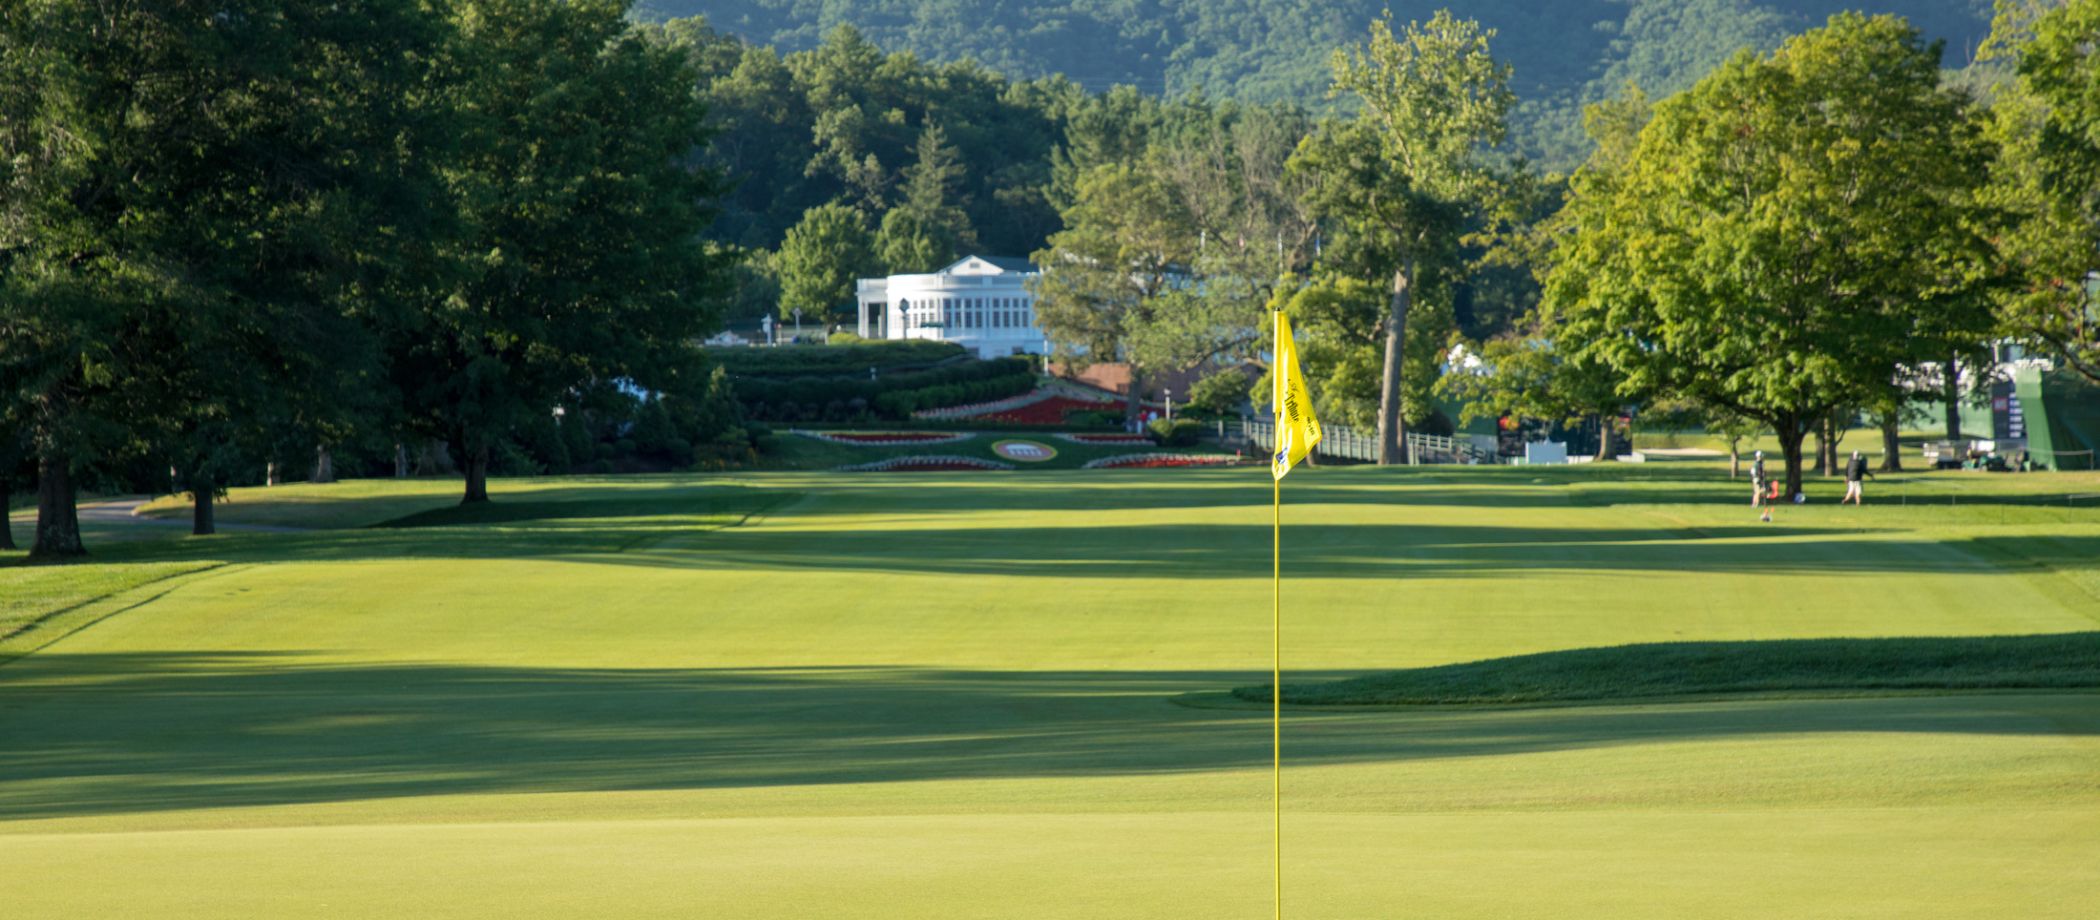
1404	178
1127	242
822	258
1228	167
185	201
2047	125
1526	373
1336	318
928	229
1786	235
582	211
12	456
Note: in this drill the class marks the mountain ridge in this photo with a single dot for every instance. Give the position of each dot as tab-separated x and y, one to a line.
1564	54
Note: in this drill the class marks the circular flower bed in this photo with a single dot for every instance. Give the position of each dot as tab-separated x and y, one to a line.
926	464
1116	438
887	438
1155	460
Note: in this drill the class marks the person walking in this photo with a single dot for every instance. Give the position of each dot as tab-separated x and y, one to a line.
1855	473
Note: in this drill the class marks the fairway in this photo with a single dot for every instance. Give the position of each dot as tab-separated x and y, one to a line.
971	695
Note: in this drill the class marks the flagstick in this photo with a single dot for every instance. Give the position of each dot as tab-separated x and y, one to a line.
1276	687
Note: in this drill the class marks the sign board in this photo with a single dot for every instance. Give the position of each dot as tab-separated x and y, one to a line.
2008	417
1024	451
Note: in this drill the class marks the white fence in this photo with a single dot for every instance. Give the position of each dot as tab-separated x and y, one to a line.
1343	443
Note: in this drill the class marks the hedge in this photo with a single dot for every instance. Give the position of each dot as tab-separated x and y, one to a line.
843	398
831	360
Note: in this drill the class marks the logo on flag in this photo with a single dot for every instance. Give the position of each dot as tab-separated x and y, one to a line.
1297	431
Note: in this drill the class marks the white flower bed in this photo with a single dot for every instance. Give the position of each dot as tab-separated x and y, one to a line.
918	439
884	466
986	408
1145	459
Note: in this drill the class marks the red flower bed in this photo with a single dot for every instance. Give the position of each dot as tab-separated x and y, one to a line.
1161	462
1155	461
1050	411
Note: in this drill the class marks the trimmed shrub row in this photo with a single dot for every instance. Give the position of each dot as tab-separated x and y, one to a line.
831	360
846	398
902	403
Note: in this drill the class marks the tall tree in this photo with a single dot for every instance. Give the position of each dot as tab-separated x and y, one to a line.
1127	243
11	457
822	257
929	228
2047	125
1432	99
582	208
184	195
1787	235
1527	373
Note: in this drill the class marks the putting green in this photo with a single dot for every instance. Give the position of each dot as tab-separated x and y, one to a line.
950	695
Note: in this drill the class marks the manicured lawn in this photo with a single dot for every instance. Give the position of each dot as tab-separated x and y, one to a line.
968	695
1670	670
799	452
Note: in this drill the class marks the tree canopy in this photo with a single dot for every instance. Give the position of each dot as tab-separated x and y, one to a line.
1786	235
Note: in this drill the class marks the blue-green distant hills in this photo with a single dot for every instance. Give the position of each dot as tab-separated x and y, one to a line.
1565	52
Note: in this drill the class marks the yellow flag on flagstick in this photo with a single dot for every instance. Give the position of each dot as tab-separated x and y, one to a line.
1296	429
1296	433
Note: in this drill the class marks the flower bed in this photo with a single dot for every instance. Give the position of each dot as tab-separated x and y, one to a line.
887	438
1051	411
1157	460
1117	438
975	410
1040	407
937	463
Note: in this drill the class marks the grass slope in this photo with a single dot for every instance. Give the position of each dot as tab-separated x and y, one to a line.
2068	660
794	695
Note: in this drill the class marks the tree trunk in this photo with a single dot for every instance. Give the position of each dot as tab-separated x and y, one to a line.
1392	435
57	514
1891	445
7	522
270	474
203	516
1952	383
1735	458
324	465
400	461
1823	464
1603	438
1791	434
475	460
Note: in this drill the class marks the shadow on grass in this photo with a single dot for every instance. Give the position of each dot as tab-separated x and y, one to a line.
703	535
884	524
113	733
2041	662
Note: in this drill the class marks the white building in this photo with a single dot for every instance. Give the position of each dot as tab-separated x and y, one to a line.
981	303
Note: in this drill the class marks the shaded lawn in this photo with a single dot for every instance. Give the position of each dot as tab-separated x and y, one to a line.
113	733
917	696
2043	662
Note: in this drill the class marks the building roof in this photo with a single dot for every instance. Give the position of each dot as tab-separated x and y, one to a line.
1003	263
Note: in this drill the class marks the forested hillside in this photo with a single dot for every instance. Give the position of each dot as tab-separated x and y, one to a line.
1565	52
